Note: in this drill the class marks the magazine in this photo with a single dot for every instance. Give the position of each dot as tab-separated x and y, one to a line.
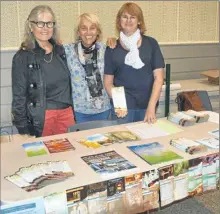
211	142
108	163
154	153
187	145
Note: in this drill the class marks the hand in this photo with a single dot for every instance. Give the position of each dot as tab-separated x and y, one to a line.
150	115
120	113
111	42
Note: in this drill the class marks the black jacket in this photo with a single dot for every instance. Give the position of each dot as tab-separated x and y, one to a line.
29	89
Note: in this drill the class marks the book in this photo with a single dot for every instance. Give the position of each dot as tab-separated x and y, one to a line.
187	145
34	149
154	153
59	145
181	119
210	142
108	163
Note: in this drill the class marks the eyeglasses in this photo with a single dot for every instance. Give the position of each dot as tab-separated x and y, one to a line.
42	24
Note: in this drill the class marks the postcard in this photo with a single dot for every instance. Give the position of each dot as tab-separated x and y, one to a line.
34	149
154	153
59	145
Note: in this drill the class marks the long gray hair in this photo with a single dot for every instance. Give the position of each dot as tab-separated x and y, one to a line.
29	39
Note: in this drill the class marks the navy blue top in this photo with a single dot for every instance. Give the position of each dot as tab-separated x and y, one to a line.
138	83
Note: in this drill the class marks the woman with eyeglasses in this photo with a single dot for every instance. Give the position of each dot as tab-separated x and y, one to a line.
136	64
42	101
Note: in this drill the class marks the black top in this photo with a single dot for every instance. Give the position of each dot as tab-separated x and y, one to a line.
58	90
138	83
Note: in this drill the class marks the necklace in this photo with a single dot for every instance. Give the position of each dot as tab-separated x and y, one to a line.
51	57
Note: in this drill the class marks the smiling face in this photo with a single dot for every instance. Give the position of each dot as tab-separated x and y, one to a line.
42	35
88	32
129	23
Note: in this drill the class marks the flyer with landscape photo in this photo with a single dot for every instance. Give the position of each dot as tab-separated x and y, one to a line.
154	153
108	163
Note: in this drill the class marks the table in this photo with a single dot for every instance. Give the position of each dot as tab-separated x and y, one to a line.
13	156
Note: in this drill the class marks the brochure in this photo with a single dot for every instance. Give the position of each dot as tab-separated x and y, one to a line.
56	203
59	145
108	163
133	193
158	129
116	196
181	180
40	175
106	139
154	153
97	198
215	133
195	183
118	97
77	200
34	149
211	142
209	172
150	190
34	205
166	177
187	145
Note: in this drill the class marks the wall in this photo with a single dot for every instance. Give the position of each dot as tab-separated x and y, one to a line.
170	22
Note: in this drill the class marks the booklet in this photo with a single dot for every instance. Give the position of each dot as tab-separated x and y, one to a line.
154	153
108	163
150	190
116	195
187	145
181	180
166	177
59	145
118	97
211	142
34	149
34	205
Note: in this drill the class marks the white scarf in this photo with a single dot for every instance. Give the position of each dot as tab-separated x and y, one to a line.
132	58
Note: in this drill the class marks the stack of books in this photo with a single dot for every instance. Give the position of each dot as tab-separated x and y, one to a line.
182	119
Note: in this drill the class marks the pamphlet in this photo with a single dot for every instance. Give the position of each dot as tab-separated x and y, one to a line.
34	149
108	163
56	203
195	184
116	196
133	193
211	142
158	129
118	97
166	177
77	200
154	153
187	145
209	172
97	198
33	206
181	180
59	145
150	190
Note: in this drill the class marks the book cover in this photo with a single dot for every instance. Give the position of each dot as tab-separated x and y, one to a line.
154	153
59	145
108	163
